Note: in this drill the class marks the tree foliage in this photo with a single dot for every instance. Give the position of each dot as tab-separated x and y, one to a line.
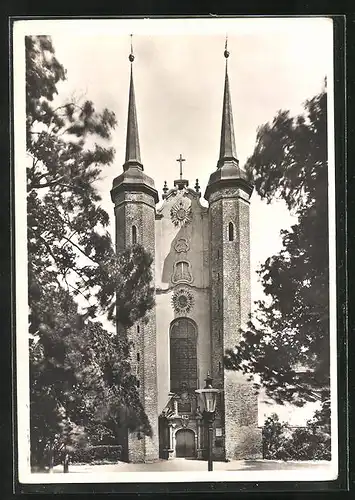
81	385
312	442
67	228
286	342
82	390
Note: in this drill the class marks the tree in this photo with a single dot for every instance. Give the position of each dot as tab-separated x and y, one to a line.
67	228
286	342
81	385
312	442
76	367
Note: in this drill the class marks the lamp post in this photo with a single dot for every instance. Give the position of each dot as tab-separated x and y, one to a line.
209	396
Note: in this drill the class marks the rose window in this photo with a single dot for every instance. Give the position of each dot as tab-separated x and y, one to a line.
182	301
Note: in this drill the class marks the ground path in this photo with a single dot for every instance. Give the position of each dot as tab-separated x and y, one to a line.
182	464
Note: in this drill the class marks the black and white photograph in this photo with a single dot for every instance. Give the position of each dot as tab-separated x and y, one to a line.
175	250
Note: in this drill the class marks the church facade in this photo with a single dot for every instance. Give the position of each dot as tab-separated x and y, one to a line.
201	259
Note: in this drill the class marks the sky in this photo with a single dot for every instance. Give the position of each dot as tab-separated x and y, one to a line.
179	76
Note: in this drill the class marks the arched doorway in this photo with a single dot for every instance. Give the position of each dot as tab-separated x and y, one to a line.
185	443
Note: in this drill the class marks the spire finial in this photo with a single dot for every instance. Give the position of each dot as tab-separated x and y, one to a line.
133	155
165	189
227	146
226	53
131	55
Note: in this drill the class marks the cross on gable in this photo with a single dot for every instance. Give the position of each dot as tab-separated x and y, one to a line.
180	160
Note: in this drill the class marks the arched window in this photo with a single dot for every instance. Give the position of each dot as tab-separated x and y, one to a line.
183	355
137	328
138	357
231	231
134	235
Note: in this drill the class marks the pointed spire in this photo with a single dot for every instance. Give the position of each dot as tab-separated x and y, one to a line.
133	155
228	172
227	148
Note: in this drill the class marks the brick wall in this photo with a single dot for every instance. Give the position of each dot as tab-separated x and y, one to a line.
216	279
230	308
135	208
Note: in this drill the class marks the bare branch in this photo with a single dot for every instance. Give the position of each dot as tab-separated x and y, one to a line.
80	249
46	184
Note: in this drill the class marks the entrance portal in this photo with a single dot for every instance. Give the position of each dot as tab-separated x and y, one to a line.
185	443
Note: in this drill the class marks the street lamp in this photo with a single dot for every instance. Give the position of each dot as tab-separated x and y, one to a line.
209	396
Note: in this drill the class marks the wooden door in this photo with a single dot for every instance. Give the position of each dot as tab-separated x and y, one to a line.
185	443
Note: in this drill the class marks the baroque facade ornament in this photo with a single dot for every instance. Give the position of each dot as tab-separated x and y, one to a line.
180	213
182	245
182	300
184	420
182	272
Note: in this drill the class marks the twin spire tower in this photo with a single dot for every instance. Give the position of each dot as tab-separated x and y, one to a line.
201	281
227	151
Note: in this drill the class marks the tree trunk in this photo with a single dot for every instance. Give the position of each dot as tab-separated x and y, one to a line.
66	463
50	459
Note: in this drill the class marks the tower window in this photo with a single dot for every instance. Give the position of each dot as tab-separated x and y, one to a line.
219	367
138	357
231	231
137	328
138	383
134	235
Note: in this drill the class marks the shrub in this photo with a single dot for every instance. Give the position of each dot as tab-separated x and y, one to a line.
275	436
111	453
313	442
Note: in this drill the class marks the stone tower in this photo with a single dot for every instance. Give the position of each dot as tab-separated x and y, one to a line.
202	284
135	197
228	193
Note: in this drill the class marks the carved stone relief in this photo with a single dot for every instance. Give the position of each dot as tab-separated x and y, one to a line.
180	213
182	272
183	301
182	245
